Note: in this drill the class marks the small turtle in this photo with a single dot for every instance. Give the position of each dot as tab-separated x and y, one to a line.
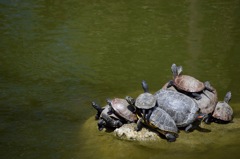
122	108
187	84
223	112
104	119
145	101
159	120
183	109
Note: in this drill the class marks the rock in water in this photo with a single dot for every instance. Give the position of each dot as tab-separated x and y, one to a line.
127	132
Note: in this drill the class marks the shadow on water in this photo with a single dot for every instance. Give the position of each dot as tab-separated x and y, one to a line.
57	57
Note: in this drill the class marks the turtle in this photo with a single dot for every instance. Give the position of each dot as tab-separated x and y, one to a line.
223	112
145	101
187	84
122	108
159	120
183	109
207	102
104	119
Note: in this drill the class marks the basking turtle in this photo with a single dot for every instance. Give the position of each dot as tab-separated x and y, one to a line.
104	119
223	112
183	109
187	84
208	101
122	108
145	101
159	120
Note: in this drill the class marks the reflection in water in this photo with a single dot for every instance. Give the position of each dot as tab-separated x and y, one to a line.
57	57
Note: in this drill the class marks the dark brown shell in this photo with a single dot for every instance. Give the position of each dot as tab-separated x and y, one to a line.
188	83
122	108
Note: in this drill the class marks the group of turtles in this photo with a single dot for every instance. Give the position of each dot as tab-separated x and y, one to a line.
182	103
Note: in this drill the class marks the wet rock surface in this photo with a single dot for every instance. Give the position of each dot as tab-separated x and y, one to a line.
127	132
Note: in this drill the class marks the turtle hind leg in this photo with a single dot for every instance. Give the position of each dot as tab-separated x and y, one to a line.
170	137
196	96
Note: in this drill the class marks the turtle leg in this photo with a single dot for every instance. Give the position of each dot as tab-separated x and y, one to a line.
147	117
170	83
188	128
98	108
196	95
208	119
110	121
139	125
208	86
170	137
101	124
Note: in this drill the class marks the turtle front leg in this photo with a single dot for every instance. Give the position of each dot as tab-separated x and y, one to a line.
208	86
208	119
101	124
139	125
147	117
111	122
196	96
170	84
170	137
188	128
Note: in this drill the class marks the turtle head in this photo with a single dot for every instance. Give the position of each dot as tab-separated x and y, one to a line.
145	86
109	101
176	70
227	97
130	100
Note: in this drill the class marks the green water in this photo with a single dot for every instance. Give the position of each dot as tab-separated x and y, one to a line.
58	56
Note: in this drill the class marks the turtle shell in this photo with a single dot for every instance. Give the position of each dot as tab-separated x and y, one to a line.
208	101
188	83
122	108
145	101
180	107
161	120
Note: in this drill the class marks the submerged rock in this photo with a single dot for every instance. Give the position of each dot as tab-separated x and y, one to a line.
127	132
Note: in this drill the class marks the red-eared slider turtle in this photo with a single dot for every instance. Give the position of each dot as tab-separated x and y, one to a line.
145	101
183	109
159	120
223	112
122	108
186	84
104	119
208	101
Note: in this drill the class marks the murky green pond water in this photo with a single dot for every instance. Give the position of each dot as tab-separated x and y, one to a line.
58	56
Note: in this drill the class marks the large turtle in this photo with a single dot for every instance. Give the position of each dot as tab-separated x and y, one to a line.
207	102
145	101
122	108
159	120
223	112
183	109
104	119
187	84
